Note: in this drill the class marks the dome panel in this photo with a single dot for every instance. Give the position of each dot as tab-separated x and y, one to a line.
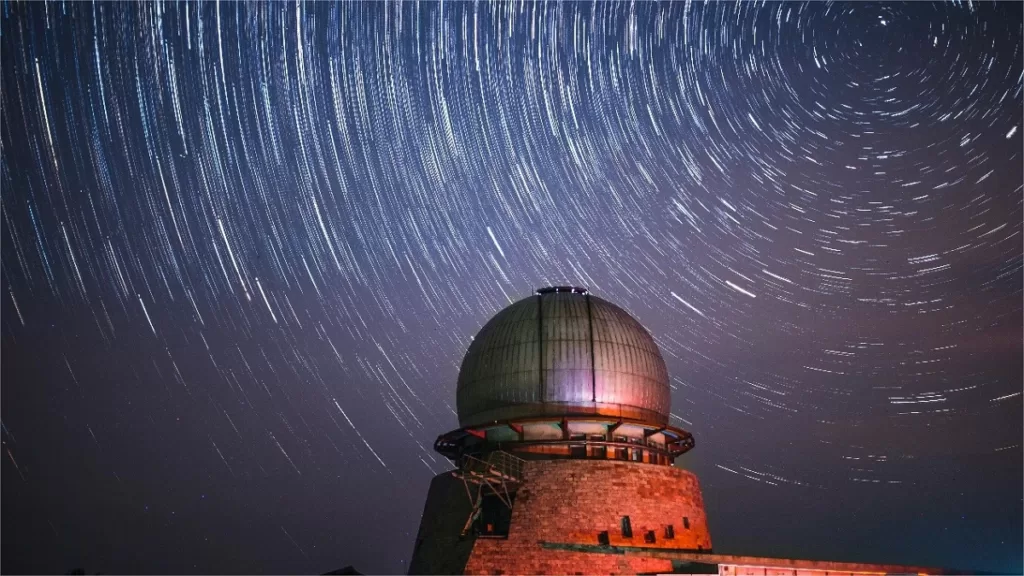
559	353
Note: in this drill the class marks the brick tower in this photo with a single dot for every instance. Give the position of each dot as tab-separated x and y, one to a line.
564	445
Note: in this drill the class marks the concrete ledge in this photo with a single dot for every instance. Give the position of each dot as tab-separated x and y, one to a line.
706	557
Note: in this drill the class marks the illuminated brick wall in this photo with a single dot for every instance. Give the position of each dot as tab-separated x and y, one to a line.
567	502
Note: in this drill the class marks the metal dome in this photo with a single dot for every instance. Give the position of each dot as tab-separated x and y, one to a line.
562	352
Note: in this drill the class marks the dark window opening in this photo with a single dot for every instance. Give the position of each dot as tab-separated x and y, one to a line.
599	452
627	528
577	451
638	455
670	532
495	516
686	522
649	537
602	538
622	454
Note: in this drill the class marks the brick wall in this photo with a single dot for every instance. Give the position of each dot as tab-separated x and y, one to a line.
571	501
566	502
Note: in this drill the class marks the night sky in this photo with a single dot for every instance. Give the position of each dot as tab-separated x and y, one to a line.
245	246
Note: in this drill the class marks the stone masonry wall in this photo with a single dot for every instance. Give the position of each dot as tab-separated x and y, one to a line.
572	501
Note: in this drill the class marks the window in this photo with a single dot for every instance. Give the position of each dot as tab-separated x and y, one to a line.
627	528
670	532
649	537
599	452
686	522
621	453
602	538
578	450
638	455
494	518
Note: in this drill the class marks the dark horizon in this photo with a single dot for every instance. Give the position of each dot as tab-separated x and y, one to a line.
245	247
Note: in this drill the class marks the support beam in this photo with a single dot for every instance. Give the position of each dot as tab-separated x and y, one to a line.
477	502
648	434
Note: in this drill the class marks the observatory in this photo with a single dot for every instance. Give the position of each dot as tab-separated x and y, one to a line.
565	374
563	457
564	442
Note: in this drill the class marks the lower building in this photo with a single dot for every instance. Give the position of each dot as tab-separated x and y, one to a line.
511	516
555	505
564	456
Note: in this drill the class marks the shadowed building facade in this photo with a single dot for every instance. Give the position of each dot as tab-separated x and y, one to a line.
564	440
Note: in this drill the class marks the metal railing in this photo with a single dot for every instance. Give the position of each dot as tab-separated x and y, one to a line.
497	466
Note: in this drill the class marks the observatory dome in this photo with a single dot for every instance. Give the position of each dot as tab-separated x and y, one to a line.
562	352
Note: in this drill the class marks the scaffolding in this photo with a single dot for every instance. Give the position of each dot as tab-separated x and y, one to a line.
499	472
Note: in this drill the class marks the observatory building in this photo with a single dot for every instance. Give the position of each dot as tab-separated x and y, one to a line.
563	402
564	456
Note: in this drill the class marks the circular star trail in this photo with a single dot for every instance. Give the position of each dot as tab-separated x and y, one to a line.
245	246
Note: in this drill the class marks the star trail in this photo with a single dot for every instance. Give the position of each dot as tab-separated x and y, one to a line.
245	246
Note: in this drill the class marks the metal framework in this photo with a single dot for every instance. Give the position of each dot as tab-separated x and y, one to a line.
472	440
499	472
